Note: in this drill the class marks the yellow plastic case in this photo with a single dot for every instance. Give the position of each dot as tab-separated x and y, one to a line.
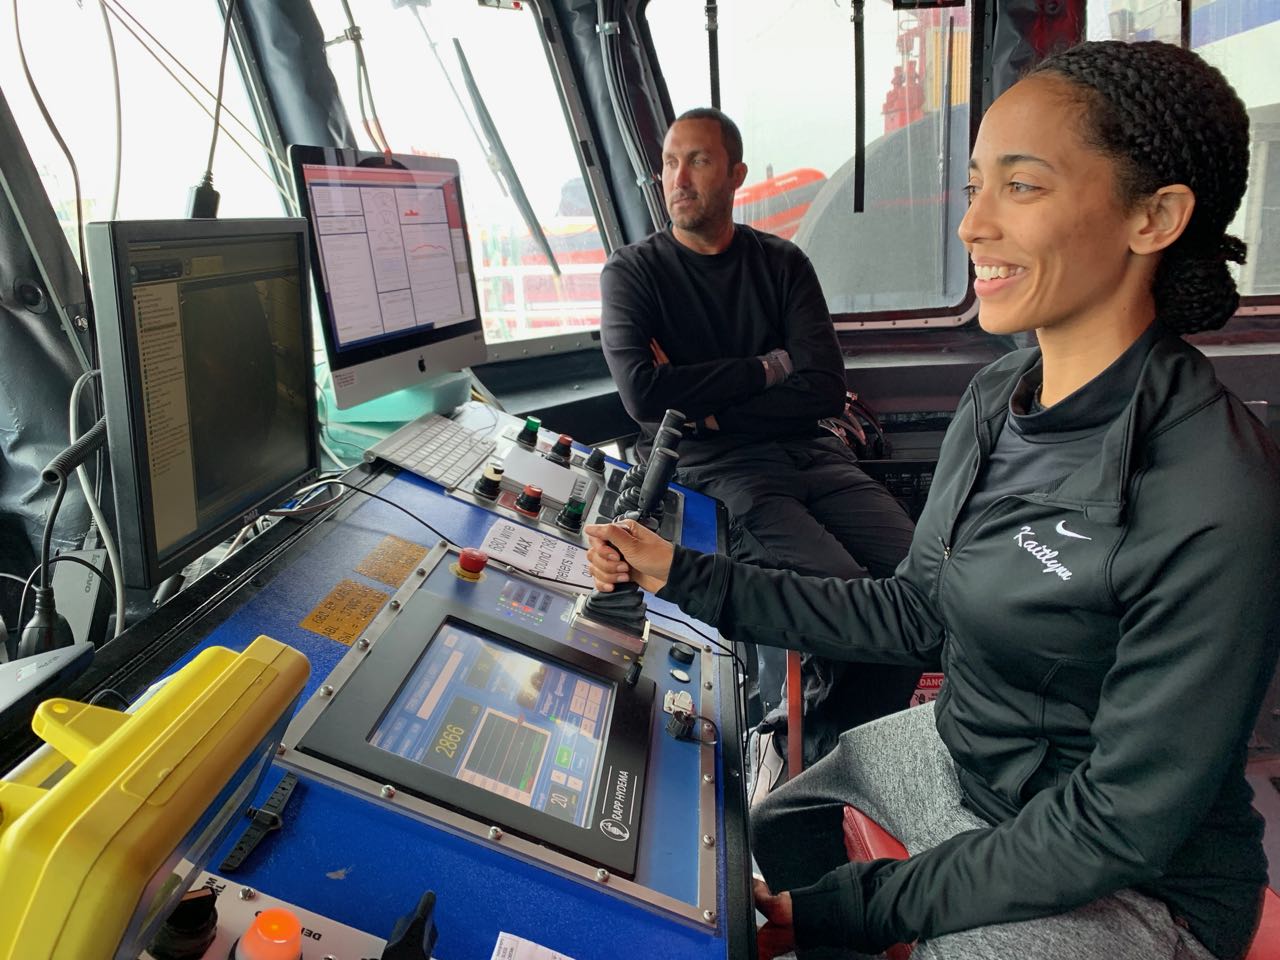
88	865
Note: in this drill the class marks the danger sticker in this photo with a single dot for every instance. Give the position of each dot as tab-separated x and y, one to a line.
345	612
391	561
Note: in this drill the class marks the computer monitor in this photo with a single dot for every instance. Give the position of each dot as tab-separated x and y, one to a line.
392	265
204	335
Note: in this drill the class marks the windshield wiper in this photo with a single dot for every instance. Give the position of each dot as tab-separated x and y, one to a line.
506	168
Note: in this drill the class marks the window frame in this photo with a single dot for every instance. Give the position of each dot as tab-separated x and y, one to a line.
965	311
578	124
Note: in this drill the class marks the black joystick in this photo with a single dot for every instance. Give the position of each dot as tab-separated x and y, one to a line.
670	431
560	451
528	436
633	477
624	608
667	437
570	518
595	461
489	483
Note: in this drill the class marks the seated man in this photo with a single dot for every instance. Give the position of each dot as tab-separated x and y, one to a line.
729	326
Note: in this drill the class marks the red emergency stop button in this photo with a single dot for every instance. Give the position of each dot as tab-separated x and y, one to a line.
472	560
275	934
471	564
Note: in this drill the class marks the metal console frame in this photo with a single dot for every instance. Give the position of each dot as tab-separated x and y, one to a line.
704	913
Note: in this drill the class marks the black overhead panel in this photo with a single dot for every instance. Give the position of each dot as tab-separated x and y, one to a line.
578	20
289	47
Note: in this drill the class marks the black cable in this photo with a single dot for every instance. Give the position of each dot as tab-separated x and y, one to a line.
728	651
222	75
101	695
46	541
75	173
312	508
317	507
66	558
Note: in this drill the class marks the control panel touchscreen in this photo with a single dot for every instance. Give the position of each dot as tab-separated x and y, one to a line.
503	720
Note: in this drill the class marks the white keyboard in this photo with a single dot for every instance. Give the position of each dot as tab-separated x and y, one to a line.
434	447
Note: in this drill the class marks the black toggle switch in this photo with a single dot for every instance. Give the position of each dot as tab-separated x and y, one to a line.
528	437
489	483
561	450
415	935
530	500
188	932
570	518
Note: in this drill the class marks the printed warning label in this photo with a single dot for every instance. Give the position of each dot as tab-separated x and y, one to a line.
392	560
345	612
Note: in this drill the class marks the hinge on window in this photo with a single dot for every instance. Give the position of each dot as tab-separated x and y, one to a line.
351	33
609	28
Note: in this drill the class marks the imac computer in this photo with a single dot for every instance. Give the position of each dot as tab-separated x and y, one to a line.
204	335
396	291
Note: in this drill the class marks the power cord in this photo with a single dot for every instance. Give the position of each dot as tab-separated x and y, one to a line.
95	509
48	629
66	558
203	200
66	151
137	29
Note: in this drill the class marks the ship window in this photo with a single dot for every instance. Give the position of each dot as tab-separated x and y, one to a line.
787	79
415	55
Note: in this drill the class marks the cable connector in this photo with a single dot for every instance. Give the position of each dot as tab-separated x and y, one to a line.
202	200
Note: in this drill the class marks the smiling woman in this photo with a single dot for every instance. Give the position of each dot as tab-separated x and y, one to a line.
1085	567
1088	221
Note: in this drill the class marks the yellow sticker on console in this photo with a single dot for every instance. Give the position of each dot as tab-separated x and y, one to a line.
345	612
391	561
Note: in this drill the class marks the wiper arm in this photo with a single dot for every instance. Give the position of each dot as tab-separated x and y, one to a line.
505	165
462	107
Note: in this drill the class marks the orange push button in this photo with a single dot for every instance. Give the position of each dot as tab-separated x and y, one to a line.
275	934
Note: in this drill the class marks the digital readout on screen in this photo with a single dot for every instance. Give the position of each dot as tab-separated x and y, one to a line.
502	720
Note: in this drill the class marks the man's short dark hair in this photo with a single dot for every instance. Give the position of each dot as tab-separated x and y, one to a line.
730	135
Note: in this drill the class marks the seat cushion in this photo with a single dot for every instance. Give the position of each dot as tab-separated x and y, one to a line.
1266	943
864	839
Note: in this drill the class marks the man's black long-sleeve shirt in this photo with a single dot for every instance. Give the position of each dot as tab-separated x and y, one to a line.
714	316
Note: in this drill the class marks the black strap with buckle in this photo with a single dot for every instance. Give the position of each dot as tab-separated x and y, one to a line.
265	819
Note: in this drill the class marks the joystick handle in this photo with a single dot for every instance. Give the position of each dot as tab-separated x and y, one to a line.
662	467
672	420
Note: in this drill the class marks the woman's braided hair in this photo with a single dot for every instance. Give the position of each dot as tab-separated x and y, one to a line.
1165	117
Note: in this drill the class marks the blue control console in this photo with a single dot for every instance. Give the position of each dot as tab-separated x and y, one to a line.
463	733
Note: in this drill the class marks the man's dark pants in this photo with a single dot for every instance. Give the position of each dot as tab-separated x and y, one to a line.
804	505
